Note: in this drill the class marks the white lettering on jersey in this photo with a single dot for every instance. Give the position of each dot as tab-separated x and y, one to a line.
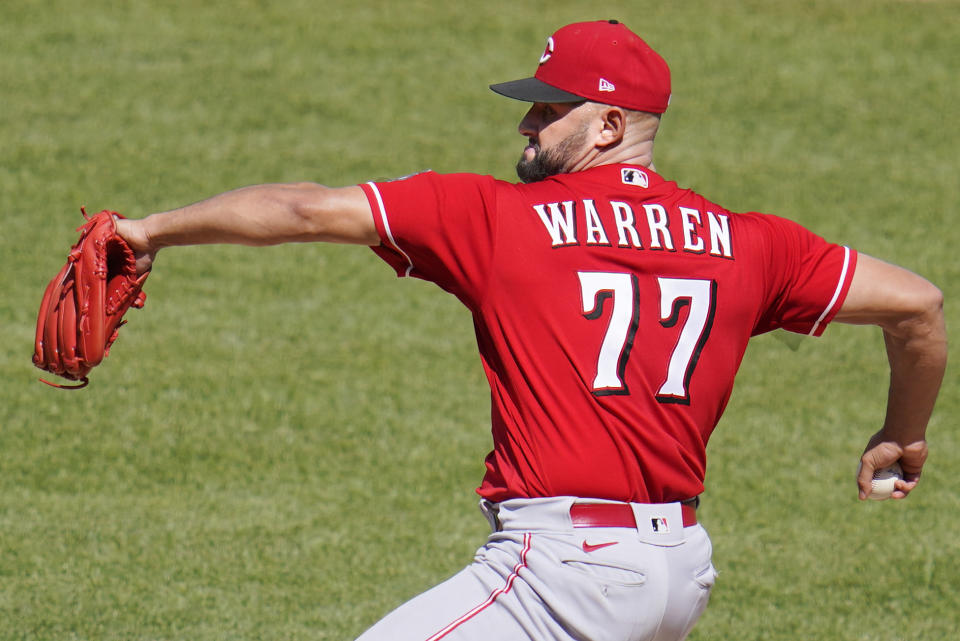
623	215
699	234
719	235
659	226
691	242
557	222
595	232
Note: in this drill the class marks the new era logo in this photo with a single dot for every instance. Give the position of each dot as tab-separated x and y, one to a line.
606	85
631	176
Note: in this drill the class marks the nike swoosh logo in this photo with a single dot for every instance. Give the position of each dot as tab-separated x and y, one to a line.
587	547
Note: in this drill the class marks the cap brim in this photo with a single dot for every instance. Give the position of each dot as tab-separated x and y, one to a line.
533	90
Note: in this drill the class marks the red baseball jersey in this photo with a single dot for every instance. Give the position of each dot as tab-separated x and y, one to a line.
612	309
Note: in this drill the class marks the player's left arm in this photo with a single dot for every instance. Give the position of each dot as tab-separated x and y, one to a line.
909	309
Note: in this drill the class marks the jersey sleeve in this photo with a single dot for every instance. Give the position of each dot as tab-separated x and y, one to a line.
808	277
437	227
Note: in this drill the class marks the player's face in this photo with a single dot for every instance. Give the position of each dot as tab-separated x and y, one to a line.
556	138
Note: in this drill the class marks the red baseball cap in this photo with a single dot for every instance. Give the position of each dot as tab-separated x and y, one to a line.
602	61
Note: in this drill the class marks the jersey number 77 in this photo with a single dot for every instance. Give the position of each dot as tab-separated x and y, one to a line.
621	289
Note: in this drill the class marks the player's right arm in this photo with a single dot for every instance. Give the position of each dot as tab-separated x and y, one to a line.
257	215
909	309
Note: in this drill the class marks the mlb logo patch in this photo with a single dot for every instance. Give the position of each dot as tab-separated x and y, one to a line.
632	176
660	525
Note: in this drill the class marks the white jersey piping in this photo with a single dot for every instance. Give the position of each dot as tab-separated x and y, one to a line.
386	228
836	294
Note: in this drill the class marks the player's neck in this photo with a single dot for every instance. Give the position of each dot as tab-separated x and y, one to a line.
639	154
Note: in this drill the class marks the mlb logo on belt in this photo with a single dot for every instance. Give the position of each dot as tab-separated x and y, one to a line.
631	176
660	525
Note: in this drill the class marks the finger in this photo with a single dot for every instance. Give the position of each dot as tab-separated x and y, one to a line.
865	479
122	225
128	230
903	488
911	477
144	263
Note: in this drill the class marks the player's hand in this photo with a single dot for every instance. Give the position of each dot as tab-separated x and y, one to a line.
880	453
134	233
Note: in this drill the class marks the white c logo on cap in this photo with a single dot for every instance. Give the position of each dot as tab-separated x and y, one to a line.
548	51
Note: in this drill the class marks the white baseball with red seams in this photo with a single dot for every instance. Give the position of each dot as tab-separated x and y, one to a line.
884	481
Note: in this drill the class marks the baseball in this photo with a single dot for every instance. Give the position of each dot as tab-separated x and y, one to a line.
884	480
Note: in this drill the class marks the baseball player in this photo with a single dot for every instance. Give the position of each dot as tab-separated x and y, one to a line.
612	309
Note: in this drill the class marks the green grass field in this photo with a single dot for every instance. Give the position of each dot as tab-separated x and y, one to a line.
284	443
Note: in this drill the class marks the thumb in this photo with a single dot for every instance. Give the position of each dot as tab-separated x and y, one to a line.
133	233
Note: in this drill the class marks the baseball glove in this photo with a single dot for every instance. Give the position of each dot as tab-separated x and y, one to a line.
83	306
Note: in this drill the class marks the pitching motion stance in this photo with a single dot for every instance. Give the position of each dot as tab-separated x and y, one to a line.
612	309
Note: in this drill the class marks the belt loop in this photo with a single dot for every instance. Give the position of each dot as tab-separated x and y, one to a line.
491	512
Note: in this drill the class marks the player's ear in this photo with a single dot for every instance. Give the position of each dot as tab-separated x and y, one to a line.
613	125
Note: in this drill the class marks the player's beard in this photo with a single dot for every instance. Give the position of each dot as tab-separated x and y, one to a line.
550	162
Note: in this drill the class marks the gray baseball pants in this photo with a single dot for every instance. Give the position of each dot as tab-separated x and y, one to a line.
541	578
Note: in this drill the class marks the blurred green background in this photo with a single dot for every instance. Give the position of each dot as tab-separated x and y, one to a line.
284	443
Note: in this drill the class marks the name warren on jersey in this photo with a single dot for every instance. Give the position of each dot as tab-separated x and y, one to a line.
612	309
